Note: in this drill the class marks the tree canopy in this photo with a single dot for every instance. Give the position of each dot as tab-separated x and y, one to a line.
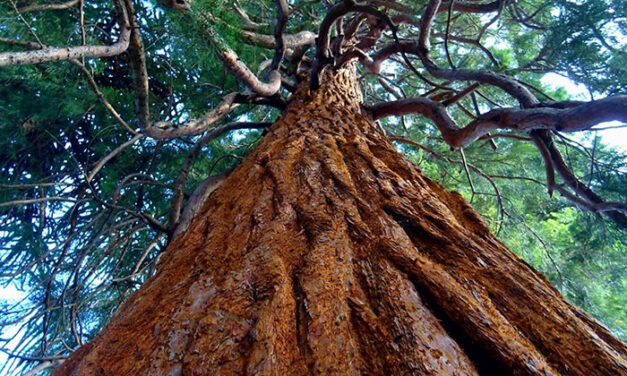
103	149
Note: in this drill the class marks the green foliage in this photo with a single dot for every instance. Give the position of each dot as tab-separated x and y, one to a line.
77	260
581	254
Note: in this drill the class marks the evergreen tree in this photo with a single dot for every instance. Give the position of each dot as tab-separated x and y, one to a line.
239	160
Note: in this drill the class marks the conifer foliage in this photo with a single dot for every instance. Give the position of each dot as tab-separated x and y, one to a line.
121	119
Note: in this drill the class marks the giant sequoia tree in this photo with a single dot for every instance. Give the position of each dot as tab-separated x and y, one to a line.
151	241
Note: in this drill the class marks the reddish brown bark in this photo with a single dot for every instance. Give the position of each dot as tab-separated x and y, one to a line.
326	252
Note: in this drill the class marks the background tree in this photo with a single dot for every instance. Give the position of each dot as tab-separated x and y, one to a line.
101	163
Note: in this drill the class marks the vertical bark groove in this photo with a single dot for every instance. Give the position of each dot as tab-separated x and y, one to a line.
328	253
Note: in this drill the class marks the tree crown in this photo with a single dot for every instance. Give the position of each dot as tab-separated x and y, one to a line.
115	111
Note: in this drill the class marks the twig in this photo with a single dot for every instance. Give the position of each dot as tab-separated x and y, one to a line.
109	156
472	187
66	53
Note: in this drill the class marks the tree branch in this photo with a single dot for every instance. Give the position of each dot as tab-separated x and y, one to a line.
322	45
248	23
279	29
470	7
301	38
232	61
36	200
163	130
109	156
58	6
75	52
583	196
568	119
13	42
103	100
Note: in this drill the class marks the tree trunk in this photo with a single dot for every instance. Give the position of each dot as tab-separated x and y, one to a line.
326	252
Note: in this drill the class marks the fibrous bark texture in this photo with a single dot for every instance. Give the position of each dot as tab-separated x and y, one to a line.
326	252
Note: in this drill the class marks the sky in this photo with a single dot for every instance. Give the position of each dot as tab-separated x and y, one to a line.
616	137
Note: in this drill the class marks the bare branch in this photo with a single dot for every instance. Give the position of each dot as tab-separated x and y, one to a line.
232	61
322	44
36	200
425	24
57	6
13	42
388	50
465	164
248	23
163	130
194	204
90	80
42	366
583	196
74	52
109	156
508	84
101	97
429	108
301	38
279	29
471	7
568	119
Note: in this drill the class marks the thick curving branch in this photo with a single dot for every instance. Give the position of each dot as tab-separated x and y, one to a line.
75	52
428	108
566	117
386	51
302	38
508	84
235	65
167	130
322	43
57	6
538	122
426	21
232	61
581	194
471	7
323	57
283	11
